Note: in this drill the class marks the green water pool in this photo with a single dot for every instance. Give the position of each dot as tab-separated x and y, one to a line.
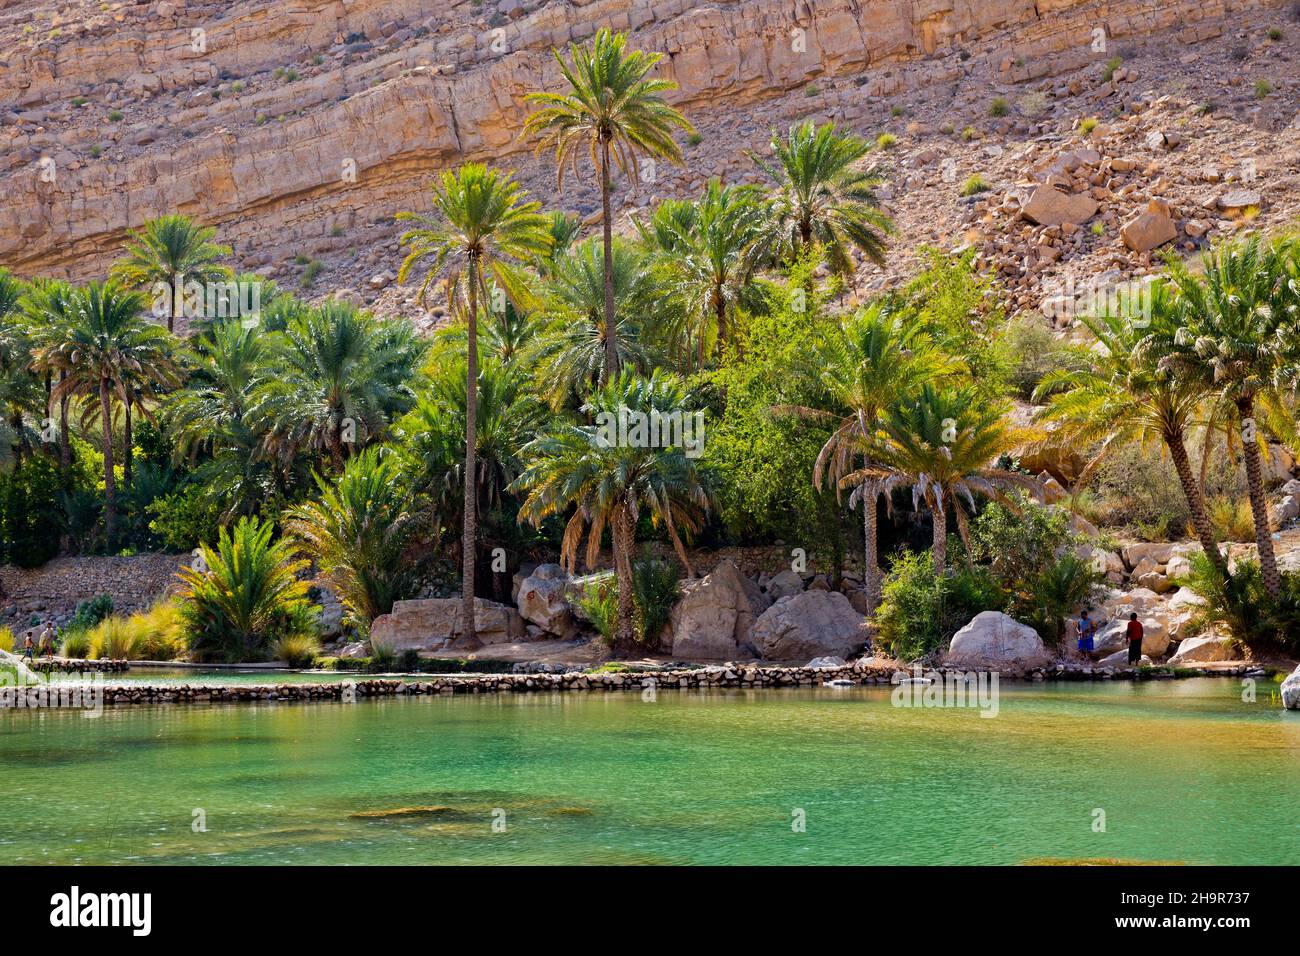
1182	770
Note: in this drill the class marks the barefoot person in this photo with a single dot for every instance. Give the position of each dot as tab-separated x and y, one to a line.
29	646
1134	633
47	641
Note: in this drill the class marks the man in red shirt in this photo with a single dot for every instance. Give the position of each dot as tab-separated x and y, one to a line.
1134	634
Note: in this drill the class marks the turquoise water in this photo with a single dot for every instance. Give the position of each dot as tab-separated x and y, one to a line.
1183	770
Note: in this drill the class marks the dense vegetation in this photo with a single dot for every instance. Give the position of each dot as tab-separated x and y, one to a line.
320	432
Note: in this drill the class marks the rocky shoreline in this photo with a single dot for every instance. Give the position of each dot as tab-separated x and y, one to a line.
721	676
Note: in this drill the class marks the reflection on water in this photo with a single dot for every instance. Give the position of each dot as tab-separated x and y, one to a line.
1182	771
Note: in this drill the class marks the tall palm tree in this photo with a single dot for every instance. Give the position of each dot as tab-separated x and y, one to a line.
48	306
711	253
822	199
615	114
109	346
481	225
574	349
1120	395
333	388
19	387
944	445
866	364
1239	315
608	482
171	250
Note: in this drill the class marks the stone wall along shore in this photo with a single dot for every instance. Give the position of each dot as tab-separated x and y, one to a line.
726	676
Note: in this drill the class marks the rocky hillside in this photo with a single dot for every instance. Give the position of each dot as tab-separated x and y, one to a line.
300	127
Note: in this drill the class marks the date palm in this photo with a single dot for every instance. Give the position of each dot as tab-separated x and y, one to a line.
944	445
876	356
171	250
481	226
19	387
711	250
1239	316
110	347
573	350
822	199
1120	395
48	306
608	482
615	114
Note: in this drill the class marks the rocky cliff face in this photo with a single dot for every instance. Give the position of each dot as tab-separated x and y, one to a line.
299	127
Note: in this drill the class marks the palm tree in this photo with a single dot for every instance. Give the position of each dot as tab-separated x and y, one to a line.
822	199
608	481
563	229
339	377
48	306
1120	395
109	346
481	225
865	365
1239	316
944	443
712	249
19	388
614	113
170	250
574	350
360	533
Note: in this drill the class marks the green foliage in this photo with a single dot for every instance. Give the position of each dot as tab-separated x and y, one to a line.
920	610
1239	604
999	107
974	185
1049	596
1030	352
1017	547
244	596
90	613
30	509
656	584
296	650
184	518
599	603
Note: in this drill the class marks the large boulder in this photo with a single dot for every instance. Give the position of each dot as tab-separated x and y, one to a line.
1147	230
784	584
810	624
1203	650
543	600
1114	636
1120	659
713	618
434	623
994	640
1291	691
1048	206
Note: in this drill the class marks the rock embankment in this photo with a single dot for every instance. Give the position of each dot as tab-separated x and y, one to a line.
867	671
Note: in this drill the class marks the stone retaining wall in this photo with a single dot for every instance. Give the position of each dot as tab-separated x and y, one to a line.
738	676
54	590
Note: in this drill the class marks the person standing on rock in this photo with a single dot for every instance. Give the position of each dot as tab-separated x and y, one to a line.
29	646
47	641
1087	628
1134	633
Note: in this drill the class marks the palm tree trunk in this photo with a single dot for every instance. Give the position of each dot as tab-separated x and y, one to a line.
469	518
607	229
1259	504
1195	500
939	518
65	444
720	308
110	482
870	562
624	541
127	454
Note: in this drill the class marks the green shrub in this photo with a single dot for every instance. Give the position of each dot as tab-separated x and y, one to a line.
1016	547
6	639
76	646
1052	595
244	596
112	640
694	138
115	116
974	185
999	107
655	584
1087	125
1112	65
89	613
599	602
296	650
1262	89
886	141
184	518
919	612
30	510
1031	351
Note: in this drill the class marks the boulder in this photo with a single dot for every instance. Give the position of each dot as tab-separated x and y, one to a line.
1291	691
1049	206
829	661
355	649
1120	659
994	640
811	624
1206	649
434	623
1148	230
1154	581
543	600
1279	465
784	584
1178	567
1158	553
715	615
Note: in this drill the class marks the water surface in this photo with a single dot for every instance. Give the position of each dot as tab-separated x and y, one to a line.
1183	771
